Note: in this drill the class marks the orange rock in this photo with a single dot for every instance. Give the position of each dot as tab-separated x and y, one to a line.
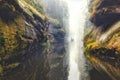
94	45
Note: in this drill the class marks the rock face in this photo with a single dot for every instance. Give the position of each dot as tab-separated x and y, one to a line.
22	31
105	13
102	45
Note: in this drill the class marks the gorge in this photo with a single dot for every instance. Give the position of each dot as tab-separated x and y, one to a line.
59	40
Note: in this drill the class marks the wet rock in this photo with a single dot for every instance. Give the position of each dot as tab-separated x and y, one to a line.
22	28
102	42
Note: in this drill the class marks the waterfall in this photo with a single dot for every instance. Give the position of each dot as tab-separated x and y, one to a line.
78	10
77	14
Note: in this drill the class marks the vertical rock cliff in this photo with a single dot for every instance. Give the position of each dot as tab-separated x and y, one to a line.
23	32
102	45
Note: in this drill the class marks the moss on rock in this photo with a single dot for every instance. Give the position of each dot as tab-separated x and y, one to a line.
21	25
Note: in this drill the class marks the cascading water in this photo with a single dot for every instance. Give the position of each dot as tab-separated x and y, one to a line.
77	14
78	10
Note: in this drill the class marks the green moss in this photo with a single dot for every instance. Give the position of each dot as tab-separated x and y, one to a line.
1	70
55	65
36	5
87	51
13	65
